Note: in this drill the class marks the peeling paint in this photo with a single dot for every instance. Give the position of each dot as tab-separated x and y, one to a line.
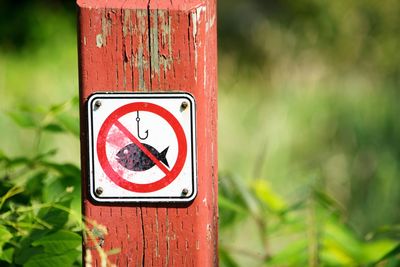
140	66
156	48
126	27
209	232
210	23
142	18
99	40
106	27
196	20
127	55
199	10
154	59
170	37
205	201
166	60
165	29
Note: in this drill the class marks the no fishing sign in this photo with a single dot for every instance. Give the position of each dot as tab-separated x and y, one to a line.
142	147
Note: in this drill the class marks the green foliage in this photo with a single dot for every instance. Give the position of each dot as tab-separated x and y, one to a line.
348	38
40	220
321	101
59	249
56	119
21	26
315	182
311	232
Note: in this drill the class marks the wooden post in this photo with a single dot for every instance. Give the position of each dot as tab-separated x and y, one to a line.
153	46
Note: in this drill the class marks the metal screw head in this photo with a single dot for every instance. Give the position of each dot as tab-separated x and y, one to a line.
97	104
185	191
184	105
99	191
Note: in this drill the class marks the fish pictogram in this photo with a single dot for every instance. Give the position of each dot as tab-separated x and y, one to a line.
133	158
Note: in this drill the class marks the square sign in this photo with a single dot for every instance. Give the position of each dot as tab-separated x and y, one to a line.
142	147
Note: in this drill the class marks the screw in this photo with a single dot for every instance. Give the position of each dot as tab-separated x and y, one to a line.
184	105
99	191
185	191
97	104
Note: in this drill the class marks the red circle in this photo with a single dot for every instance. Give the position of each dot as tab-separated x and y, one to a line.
113	175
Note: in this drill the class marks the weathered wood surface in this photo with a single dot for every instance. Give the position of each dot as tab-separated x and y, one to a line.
134	45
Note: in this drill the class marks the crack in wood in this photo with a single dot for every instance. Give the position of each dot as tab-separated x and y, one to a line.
149	40
143	238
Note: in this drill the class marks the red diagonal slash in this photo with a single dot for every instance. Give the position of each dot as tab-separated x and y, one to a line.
128	134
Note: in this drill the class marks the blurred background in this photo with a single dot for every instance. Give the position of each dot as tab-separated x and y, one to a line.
312	90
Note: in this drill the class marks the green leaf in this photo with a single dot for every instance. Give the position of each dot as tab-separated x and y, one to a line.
391	254
58	108
75	101
72	103
61	186
59	242
18	161
293	254
5	236
23	254
231	201
268	197
340	246
374	251
3	156
15	190
53	127
35	185
7	255
392	262
225	203
23	119
56	217
67	169
46	154
66	259
226	260
55	190
70	177
69	122
335	256
328	201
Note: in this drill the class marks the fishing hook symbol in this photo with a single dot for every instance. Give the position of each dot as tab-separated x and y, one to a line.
138	131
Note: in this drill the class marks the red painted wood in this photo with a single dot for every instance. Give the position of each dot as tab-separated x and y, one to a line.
137	45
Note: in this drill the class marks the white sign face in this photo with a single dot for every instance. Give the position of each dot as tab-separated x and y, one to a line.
142	147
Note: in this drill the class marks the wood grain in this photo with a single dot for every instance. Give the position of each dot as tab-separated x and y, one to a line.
154	46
